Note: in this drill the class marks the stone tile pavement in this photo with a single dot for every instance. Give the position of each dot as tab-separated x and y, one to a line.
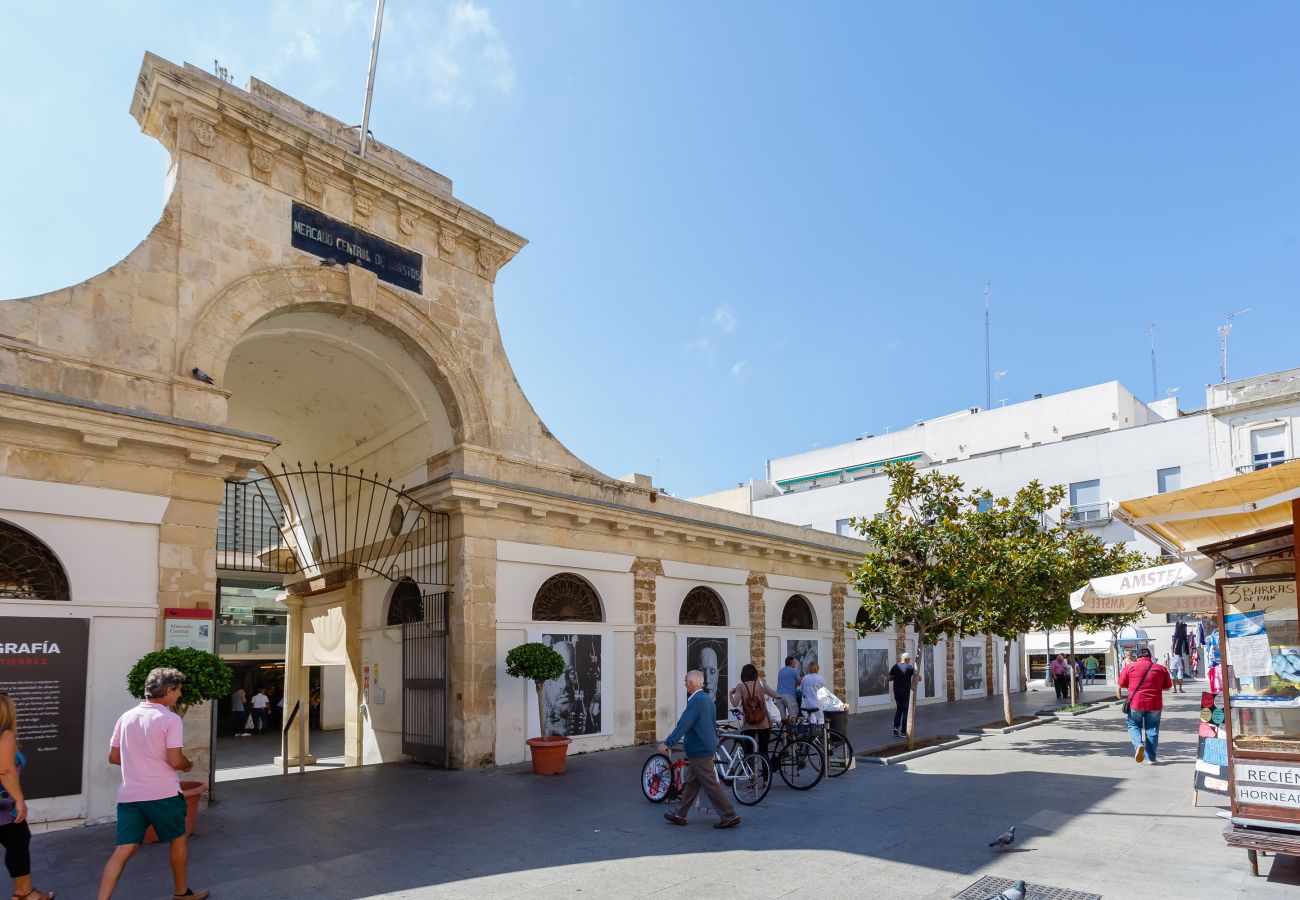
1089	818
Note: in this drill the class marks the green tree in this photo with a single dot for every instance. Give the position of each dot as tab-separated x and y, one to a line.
908	578
539	663
207	677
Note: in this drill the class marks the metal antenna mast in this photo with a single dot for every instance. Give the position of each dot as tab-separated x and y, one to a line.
988	366
1155	389
1224	330
370	80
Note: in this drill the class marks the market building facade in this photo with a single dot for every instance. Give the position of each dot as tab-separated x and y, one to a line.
297	382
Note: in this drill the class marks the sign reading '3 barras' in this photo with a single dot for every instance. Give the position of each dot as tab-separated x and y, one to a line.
317	233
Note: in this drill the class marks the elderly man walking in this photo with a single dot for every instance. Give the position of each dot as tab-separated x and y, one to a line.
697	726
147	745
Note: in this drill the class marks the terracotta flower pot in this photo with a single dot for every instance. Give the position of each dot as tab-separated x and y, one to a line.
192	791
549	754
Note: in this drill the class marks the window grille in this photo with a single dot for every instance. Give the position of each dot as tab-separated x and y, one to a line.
702	606
29	570
567	598
798	613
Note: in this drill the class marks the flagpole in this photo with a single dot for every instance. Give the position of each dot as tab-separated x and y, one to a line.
370	80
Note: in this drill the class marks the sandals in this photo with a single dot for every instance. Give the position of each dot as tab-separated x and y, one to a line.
35	894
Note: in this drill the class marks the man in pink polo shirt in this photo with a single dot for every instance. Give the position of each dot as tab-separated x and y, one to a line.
147	745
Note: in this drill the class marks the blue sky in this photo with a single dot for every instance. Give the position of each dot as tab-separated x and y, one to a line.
755	227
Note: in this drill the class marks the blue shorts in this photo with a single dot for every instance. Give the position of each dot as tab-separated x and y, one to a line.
167	816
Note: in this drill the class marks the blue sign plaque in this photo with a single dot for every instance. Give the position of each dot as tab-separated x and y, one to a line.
329	238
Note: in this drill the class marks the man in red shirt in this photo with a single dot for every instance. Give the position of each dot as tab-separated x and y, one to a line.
1146	681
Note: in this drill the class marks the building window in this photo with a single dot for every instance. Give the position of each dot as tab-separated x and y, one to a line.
1268	446
843	527
798	613
864	622
406	605
1170	479
702	606
567	598
1086	505
29	570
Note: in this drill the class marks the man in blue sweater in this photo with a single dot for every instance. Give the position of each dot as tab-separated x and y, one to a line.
698	726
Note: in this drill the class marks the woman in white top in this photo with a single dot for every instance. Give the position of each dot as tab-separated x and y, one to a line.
812	682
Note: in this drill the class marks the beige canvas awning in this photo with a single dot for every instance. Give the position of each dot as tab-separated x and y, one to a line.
1176	588
1218	510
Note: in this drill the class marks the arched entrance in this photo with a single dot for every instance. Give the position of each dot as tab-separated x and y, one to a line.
325	528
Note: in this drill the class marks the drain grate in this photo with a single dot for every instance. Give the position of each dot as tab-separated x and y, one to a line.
991	885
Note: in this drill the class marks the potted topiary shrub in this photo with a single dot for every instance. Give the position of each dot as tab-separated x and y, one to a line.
539	664
207	677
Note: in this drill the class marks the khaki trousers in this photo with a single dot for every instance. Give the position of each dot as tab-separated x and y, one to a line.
701	774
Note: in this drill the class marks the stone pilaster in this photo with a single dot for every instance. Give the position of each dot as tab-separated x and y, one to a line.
951	652
295	686
473	644
838	593
644	573
757	585
988	664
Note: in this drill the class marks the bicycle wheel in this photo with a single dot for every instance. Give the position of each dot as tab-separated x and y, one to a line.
840	754
753	779
800	764
657	778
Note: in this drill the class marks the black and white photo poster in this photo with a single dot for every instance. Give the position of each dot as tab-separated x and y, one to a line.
709	655
571	703
972	667
928	685
43	670
873	667
804	652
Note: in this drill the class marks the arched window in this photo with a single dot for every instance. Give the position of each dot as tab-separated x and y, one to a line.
703	606
798	613
865	622
29	570
567	598
406	604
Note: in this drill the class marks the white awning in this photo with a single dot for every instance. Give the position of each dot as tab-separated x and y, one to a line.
1162	589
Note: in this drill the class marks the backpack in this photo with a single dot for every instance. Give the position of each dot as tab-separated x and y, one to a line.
754	707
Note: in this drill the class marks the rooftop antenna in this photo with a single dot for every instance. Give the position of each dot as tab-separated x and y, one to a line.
370	80
1155	390
988	369
1224	330
221	71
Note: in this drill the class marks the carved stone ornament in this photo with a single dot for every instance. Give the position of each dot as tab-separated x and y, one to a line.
204	131
447	241
406	218
489	260
363	201
313	181
261	159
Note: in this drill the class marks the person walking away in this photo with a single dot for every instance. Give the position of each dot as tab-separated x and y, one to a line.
1090	670
810	684
787	687
698	728
261	704
15	835
1146	681
900	678
1061	672
1176	673
146	743
239	712
751	696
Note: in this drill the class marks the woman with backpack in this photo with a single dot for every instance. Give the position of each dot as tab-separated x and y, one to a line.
751	696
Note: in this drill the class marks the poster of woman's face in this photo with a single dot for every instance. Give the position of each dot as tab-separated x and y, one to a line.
804	652
873	666
571	703
972	668
709	655
928	686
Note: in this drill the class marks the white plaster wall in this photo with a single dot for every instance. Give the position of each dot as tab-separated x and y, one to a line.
333	709
521	570
107	542
381	651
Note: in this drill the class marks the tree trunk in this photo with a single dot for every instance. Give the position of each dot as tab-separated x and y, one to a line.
911	696
1074	667
1006	682
541	715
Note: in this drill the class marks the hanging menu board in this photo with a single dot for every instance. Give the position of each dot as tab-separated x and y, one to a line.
43	669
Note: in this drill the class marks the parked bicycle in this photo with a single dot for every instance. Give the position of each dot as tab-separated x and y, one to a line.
736	760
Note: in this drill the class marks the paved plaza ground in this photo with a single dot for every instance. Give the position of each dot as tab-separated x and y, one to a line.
1088	818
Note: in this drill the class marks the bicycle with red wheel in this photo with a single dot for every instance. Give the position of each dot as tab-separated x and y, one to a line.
737	762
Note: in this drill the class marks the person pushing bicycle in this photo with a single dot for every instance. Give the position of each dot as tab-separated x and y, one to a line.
698	727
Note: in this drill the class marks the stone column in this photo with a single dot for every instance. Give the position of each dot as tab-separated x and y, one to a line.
472	649
838	592
295	687
951	652
757	585
352	721
645	696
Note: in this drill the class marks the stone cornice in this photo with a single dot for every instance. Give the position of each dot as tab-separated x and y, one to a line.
187	109
105	427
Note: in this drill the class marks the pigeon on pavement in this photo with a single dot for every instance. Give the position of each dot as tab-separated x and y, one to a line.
1015	892
1004	840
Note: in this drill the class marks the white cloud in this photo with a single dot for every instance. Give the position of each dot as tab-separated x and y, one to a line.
450	55
724	319
739	368
700	345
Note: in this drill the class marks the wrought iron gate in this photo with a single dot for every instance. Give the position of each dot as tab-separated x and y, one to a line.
425	683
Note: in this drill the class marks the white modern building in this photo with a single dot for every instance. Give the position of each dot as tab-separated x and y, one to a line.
1101	442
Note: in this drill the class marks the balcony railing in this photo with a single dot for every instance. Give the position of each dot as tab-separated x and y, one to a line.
1086	515
1264	464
